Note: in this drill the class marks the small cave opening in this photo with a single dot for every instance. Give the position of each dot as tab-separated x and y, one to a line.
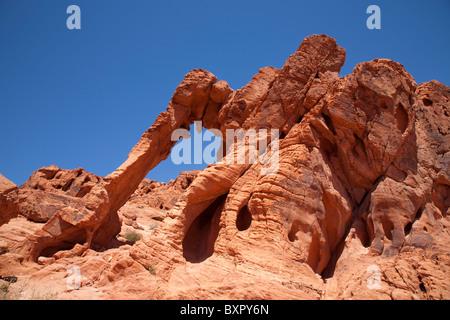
49	247
199	240
185	184
244	219
408	228
329	123
421	284
300	119
401	118
417	216
317	76
427	102
292	235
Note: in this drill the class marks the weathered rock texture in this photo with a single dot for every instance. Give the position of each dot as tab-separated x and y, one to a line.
8	209
357	208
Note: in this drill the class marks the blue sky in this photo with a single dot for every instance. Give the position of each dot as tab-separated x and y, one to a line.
83	98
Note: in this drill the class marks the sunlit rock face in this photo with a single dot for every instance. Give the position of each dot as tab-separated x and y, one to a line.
357	206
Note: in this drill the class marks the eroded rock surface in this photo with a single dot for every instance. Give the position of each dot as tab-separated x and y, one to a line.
356	208
8	209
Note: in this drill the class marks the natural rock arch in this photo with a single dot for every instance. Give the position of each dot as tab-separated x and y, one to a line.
346	144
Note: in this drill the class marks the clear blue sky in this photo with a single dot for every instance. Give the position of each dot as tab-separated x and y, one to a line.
83	98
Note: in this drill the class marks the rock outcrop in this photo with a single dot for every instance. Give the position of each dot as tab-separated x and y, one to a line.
360	193
8	208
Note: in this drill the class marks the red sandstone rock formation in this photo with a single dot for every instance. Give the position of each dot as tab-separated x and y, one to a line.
8	209
362	184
